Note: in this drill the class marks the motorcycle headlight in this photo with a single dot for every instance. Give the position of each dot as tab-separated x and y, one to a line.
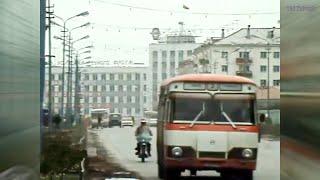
176	152
247	153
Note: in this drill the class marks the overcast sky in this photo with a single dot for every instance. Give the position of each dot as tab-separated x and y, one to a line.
123	33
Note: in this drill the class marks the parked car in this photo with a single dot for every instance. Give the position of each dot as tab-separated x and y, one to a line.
115	119
127	121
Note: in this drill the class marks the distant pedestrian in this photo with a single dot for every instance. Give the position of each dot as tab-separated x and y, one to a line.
99	122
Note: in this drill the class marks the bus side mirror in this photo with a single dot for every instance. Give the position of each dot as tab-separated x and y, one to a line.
262	118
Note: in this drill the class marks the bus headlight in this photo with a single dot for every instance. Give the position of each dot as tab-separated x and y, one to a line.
247	153
176	152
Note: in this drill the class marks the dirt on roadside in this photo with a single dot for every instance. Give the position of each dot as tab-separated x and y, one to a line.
103	166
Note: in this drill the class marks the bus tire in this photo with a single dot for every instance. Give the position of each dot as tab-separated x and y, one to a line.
160	171
172	174
237	175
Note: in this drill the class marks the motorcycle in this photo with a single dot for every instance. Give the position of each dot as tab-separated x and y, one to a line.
143	149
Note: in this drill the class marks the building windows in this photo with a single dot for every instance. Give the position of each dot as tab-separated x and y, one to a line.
120	88
144	87
144	99
263	83
95	88
172	56
129	77
94	99
120	76
112	99
189	53
180	55
164	56
116	99
276	55
129	111
103	99
87	88
60	77
276	68
224	68
155	55
244	55
155	65
128	99
144	76
263	55
103	76
86	77
111	76
154	76
224	54
276	82
137	76
164	66
111	88
164	75
94	77
263	68
103	88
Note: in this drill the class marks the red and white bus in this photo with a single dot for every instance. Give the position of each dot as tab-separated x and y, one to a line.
207	122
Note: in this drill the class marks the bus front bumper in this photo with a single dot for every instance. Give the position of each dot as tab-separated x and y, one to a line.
210	164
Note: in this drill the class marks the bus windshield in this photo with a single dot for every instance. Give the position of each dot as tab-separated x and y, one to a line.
213	110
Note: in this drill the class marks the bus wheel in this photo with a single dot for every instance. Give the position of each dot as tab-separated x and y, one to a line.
237	175
160	171
193	172
172	174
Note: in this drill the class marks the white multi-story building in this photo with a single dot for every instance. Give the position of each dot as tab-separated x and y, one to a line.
119	89
248	52
164	59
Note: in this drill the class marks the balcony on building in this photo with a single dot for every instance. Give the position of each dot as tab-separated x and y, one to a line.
243	60
244	73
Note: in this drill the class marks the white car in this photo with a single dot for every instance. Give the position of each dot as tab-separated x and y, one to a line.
127	121
152	122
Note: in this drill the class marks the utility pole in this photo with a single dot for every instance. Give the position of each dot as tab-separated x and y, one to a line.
63	69
49	13
268	86
68	81
76	91
42	63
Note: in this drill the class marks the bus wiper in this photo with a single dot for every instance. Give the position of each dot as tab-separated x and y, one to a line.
198	116
229	119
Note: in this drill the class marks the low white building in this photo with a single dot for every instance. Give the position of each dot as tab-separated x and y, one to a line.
250	52
120	89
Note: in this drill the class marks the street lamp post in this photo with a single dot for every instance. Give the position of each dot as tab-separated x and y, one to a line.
268	86
63	54
77	87
69	80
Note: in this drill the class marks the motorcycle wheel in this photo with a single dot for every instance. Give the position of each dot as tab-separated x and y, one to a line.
143	154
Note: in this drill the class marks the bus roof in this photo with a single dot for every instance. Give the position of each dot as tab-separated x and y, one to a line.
219	78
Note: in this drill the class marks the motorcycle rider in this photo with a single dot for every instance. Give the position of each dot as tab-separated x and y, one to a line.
143	132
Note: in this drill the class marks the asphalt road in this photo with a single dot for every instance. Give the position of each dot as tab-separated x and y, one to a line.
120	143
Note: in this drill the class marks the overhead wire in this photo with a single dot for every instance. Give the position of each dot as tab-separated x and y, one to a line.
184	12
